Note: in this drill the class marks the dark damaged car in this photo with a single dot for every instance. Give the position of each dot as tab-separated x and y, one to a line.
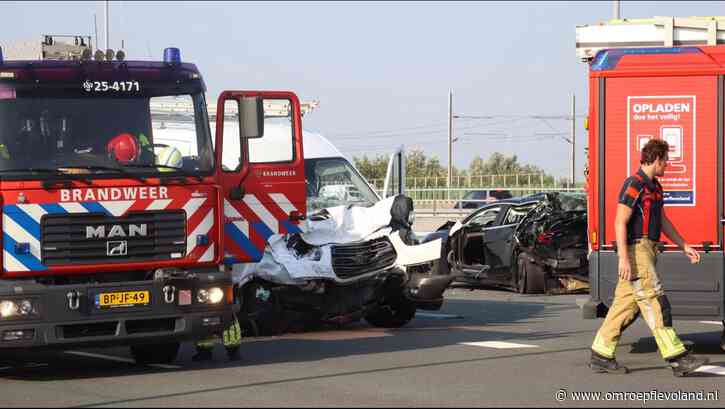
533	244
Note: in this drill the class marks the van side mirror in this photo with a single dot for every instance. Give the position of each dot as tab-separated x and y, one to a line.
251	117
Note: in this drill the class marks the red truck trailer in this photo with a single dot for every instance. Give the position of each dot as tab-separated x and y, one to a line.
675	94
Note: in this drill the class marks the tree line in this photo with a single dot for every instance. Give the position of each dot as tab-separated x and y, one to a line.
419	165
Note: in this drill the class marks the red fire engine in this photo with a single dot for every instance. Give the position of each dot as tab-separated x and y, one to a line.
110	238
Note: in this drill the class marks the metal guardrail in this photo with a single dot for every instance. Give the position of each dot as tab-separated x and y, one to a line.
435	201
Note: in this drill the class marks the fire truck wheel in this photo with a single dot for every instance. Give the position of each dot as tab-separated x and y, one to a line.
392	315
529	276
155	353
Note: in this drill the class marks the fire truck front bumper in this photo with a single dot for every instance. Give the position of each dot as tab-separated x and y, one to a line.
127	313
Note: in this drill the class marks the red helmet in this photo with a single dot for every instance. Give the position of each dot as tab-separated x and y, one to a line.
123	148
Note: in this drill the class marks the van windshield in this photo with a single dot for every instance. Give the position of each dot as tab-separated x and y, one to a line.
334	182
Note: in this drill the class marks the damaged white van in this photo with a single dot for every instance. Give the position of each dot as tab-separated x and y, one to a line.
355	258
355	255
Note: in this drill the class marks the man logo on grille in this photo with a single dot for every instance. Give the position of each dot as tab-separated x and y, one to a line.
116	248
117	230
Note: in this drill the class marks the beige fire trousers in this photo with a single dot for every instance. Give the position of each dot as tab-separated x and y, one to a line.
643	294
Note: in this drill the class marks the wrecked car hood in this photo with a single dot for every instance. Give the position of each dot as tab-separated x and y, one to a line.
293	259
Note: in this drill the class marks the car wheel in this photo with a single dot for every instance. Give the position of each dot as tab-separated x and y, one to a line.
392	315
155	353
529	276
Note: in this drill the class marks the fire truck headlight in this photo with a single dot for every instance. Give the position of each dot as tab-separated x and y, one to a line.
202	296
213	295
17	308
25	307
216	295
8	309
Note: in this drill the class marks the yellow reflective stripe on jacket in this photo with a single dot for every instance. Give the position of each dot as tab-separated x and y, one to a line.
170	157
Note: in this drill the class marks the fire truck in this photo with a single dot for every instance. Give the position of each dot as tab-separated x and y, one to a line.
110	238
659	78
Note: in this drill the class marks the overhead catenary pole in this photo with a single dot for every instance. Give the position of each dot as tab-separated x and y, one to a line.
450	143
106	23
95	32
615	10
572	176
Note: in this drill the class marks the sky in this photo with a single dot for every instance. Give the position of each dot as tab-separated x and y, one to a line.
381	71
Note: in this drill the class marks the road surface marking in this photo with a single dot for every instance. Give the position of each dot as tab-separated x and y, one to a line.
438	316
711	322
717	370
118	359
498	345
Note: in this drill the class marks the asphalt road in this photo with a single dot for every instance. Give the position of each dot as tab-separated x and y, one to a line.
485	348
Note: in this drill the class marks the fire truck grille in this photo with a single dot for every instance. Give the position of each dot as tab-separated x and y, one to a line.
355	259
98	238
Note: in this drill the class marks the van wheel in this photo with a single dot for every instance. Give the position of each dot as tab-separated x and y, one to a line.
393	315
529	276
155	353
261	305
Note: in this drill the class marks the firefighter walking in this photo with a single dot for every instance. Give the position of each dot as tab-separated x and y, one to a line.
639	221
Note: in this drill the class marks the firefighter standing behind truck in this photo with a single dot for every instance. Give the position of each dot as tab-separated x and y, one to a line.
639	221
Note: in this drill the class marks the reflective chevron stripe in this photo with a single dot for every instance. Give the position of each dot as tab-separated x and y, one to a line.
254	221
21	224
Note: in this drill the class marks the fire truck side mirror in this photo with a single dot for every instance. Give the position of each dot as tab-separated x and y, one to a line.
251	117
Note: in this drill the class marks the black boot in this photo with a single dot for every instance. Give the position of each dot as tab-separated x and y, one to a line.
202	354
233	353
686	363
600	364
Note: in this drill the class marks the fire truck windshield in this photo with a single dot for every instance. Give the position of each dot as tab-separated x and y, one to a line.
101	136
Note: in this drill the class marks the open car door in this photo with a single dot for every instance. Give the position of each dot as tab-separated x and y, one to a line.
260	167
470	258
499	243
395	175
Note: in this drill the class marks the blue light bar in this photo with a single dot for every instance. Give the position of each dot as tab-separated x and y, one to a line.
608	59
1	55
172	56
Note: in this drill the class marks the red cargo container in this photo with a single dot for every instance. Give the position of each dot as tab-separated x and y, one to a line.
675	94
